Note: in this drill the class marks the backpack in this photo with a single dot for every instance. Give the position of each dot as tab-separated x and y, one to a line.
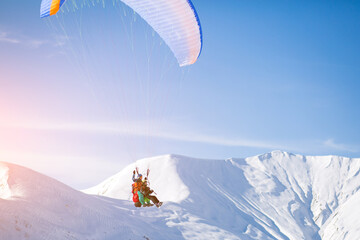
135	198
135	195
137	186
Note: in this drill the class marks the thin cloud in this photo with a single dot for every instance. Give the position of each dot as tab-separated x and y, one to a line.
330	143
216	140
162	131
58	41
36	43
138	129
4	37
63	167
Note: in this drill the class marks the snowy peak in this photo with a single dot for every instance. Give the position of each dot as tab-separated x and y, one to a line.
277	195
320	186
22	183
36	207
163	177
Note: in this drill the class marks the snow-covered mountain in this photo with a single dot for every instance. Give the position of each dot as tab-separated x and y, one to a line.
272	196
36	207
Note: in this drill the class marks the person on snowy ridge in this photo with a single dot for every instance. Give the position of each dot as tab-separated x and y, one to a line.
146	200
135	196
146	191
138	197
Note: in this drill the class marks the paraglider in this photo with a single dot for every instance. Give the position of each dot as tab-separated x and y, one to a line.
176	22
141	191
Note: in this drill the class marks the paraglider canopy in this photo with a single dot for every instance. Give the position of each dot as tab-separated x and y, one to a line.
176	22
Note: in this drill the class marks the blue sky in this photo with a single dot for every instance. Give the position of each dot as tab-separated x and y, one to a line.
272	75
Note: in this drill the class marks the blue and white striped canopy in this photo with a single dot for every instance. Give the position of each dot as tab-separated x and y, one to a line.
176	21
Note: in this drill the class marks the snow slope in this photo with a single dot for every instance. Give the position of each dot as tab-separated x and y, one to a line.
37	207
272	196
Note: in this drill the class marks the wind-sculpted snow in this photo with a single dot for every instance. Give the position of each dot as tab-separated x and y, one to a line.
4	186
272	196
